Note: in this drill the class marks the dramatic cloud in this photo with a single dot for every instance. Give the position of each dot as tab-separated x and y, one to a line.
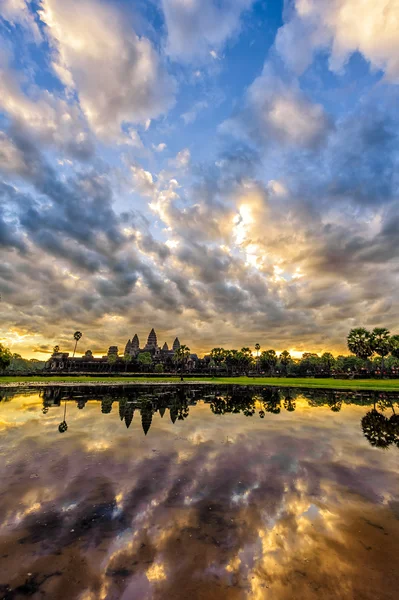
117	75
343	27
197	27
263	207
52	119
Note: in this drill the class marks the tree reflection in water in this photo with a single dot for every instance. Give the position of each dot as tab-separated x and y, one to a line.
63	426
380	430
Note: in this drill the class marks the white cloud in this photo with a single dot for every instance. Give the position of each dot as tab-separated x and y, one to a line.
182	159
143	181
17	12
278	110
196	28
46	116
160	147
191	115
344	27
117	75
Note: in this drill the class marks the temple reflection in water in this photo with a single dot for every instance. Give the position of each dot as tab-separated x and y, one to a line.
198	491
380	425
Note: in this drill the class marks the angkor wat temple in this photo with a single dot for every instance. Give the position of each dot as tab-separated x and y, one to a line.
132	347
129	361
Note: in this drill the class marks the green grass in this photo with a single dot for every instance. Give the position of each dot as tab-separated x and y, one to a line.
350	384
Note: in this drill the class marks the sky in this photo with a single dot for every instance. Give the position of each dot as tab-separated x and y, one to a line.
225	171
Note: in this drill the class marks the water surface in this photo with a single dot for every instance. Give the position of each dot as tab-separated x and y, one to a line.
198	493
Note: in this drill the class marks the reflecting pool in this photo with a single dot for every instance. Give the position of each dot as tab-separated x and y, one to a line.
198	492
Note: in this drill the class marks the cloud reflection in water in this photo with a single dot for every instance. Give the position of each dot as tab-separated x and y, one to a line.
210	503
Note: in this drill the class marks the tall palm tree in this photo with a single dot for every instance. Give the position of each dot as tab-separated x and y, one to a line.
77	335
360	342
285	359
257	348
395	345
381	343
181	357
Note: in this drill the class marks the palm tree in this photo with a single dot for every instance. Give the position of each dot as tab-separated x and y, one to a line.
77	335
360	342
268	360
285	359
112	358
381	343
127	359
395	346
218	356
180	357
257	348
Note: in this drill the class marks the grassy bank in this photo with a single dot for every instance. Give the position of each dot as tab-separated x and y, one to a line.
357	384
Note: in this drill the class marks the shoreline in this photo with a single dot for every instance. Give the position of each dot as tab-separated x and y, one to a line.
344	385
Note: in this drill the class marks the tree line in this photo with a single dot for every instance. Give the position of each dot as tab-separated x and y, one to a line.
365	344
375	351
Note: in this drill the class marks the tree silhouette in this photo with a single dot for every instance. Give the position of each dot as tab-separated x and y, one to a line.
381	343
360	342
106	405
127	359
181	357
268	360
285	359
5	357
77	335
289	403
394	427
257	348
377	429
63	426
395	346
271	400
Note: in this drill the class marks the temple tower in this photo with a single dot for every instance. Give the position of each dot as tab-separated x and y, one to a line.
152	343
165	348
176	345
135	343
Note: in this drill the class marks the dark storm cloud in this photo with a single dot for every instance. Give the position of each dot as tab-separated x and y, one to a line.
360	161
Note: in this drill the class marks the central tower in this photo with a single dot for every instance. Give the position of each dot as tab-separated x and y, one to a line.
152	342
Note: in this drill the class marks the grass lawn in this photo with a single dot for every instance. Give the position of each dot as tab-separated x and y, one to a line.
350	384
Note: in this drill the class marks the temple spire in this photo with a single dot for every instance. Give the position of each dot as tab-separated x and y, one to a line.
152	340
176	345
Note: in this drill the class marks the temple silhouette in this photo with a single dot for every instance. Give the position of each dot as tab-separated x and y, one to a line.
128	361
380	425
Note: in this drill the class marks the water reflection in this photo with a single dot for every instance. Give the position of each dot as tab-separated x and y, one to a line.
198	492
379	430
